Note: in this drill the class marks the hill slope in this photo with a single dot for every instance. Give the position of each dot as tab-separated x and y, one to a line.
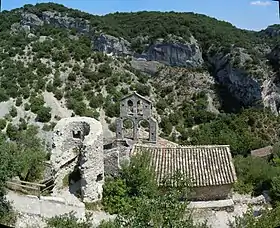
200	73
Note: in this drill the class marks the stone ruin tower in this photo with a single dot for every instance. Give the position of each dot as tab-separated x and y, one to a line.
78	145
136	108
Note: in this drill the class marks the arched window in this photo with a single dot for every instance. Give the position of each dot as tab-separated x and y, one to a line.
144	130
130	107
140	108
128	128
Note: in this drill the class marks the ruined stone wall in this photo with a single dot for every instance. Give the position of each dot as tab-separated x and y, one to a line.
79	141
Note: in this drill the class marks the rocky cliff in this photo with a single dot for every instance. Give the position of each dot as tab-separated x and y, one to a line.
175	52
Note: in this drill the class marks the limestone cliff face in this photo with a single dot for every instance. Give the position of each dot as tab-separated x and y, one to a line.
271	85
182	53
271	95
176	54
55	19
271	31
238	83
112	45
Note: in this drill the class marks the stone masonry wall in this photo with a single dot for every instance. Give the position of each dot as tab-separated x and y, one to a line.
212	192
79	141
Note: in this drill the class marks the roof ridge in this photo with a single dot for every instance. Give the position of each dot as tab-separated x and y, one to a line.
182	147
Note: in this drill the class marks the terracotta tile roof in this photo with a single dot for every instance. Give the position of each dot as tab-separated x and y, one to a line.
262	152
203	165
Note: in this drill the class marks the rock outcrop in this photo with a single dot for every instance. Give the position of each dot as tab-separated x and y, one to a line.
78	142
112	45
172	51
176	53
55	19
239	84
271	31
271	95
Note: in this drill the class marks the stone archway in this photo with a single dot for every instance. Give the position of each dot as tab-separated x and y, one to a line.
128	128
144	129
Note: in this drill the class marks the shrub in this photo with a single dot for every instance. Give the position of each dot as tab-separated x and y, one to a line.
50	87
72	77
13	111
3	124
12	131
134	195
26	107
19	101
36	103
66	221
254	173
44	114
58	94
115	195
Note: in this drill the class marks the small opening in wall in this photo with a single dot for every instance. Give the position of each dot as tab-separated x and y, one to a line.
77	134
99	177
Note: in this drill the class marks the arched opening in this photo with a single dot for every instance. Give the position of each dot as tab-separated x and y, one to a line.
144	130
130	107
140	108
128	129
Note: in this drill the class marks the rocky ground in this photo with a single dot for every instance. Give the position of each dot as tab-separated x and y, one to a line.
216	218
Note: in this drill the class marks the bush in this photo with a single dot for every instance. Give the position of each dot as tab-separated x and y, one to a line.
66	221
139	202
115	195
72	77
254	173
50	87
275	189
112	127
12	131
26	107
58	94
3	95
3	124
44	114
36	103
13	111
19	101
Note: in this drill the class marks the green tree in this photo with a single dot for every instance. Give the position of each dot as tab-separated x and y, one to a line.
3	124
12	131
44	114
66	221
139	202
13	111
30	155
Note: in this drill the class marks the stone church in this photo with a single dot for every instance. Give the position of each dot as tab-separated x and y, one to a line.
136	108
209	168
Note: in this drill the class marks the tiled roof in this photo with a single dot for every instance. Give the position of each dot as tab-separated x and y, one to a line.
203	165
